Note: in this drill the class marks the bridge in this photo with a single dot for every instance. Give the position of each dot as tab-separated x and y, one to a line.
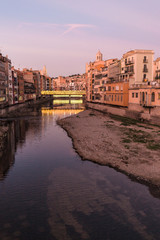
71	93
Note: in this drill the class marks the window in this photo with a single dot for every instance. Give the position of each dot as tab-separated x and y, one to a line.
145	69
145	59
144	76
153	97
117	88
112	97
121	98
136	95
158	96
132	95
131	68
115	97
109	88
118	98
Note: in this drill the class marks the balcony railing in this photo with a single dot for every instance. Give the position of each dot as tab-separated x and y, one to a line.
145	60
129	62
98	76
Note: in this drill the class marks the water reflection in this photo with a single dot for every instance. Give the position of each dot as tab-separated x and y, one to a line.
79	199
16	133
52	194
60	112
67	101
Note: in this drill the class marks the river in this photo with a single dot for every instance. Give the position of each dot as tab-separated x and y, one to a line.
48	192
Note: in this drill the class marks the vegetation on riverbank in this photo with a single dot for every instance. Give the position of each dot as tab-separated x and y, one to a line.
125	144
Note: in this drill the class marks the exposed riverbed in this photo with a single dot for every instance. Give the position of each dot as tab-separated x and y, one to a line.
122	143
49	192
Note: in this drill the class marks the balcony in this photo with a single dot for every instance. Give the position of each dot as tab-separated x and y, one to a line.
146	104
129	62
98	76
145	60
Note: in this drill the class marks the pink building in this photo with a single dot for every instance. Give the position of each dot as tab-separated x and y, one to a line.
145	98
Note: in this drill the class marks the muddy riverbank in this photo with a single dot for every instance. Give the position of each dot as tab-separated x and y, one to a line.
119	142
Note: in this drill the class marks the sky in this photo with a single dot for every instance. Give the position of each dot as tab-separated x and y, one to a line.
66	34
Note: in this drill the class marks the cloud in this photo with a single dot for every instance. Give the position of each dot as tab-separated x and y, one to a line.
65	28
72	27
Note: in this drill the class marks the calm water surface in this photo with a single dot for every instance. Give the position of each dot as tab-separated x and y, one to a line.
48	192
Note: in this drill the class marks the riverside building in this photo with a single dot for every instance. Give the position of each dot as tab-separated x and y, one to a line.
72	82
110	81
137	66
6	86
15	86
3	82
97	77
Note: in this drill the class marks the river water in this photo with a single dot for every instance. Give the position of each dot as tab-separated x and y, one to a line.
47	192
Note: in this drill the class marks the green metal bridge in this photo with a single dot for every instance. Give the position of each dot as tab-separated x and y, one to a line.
71	93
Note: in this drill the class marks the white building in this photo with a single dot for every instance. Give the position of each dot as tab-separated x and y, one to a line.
137	66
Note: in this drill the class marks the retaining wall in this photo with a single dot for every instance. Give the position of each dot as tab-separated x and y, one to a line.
153	117
13	108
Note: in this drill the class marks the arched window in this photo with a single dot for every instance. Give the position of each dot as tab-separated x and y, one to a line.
153	97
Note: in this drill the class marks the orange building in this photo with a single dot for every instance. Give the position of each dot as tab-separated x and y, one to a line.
114	94
103	85
29	87
90	72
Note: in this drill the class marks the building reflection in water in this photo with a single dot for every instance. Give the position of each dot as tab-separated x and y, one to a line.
63	107
19	129
16	134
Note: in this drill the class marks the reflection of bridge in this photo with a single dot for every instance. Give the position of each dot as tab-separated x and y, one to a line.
60	111
71	93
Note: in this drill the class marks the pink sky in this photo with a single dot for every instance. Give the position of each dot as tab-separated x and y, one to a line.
64	35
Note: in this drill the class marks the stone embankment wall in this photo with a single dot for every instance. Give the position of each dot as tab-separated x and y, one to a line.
150	116
5	112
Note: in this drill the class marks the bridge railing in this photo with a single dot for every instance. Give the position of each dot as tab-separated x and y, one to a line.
63	92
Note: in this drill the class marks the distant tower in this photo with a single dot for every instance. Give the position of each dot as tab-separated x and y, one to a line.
99	56
44	71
